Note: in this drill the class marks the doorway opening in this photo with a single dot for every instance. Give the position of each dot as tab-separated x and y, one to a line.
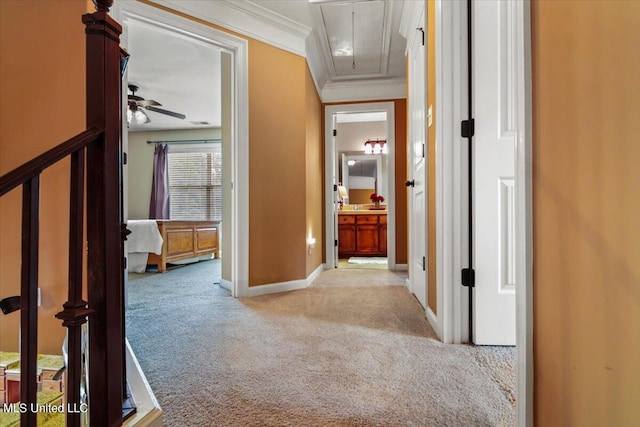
363	196
360	179
223	123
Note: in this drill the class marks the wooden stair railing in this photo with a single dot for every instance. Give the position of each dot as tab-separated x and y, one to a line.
95	157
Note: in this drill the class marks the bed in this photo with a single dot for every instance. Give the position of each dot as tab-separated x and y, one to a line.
172	241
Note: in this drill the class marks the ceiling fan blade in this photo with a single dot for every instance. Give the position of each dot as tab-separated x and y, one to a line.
134	98
148	103
167	112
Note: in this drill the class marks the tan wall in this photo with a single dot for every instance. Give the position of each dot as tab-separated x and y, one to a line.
277	158
314	173
431	152
42	103
400	106
140	162
586	153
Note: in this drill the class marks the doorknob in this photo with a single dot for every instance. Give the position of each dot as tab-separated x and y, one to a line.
411	183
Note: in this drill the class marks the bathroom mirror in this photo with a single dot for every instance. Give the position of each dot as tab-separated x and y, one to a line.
363	174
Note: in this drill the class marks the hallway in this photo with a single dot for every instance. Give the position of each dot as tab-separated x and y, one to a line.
352	349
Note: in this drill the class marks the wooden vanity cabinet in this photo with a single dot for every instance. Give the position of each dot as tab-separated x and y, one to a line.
362	235
382	236
346	234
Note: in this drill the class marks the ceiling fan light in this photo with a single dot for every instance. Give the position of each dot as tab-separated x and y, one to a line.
141	117
129	115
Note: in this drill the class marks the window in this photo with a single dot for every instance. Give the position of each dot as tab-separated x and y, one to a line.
195	183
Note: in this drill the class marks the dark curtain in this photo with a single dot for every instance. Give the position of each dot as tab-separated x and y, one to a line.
159	206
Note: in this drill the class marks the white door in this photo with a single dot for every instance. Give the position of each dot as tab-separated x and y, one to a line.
494	91
417	169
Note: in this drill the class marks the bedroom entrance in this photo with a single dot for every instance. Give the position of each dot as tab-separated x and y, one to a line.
360	213
185	138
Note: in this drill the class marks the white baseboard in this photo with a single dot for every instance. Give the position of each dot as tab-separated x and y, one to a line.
226	284
292	285
314	275
433	321
148	411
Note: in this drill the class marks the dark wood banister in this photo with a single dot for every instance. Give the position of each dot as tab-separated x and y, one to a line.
95	159
35	166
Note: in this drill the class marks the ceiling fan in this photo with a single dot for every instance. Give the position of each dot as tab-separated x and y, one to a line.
137	103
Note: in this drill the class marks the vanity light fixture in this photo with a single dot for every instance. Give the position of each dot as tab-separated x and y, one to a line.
376	146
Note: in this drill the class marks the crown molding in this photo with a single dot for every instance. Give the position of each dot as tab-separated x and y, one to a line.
324	49
252	20
364	90
315	61
247	18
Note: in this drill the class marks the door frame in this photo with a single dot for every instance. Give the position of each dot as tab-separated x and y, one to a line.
451	164
239	186
418	280
330	149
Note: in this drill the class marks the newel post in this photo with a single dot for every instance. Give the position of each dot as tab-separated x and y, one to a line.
104	272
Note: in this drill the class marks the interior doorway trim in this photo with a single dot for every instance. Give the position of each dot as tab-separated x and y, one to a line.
451	206
330	154
124	11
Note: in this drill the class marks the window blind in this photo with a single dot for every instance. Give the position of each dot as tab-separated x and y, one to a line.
195	184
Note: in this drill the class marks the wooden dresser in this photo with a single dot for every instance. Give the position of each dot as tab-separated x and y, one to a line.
362	233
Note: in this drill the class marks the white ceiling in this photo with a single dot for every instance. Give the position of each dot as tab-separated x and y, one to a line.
184	74
181	74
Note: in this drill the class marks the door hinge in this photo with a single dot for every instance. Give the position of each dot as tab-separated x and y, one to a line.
335	132
424	263
422	31
468	128
468	277
335	243
124	263
335	187
124	158
423	150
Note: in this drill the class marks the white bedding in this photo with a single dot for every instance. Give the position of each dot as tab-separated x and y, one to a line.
144	238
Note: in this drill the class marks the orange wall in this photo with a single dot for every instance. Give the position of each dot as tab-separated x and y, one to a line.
431	152
42	103
277	158
586	152
314	173
401	177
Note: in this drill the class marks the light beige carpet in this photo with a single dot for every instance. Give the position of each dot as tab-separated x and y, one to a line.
354	349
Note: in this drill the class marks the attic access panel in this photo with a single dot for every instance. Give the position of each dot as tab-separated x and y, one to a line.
355	33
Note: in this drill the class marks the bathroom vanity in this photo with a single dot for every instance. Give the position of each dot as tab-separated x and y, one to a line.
362	233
